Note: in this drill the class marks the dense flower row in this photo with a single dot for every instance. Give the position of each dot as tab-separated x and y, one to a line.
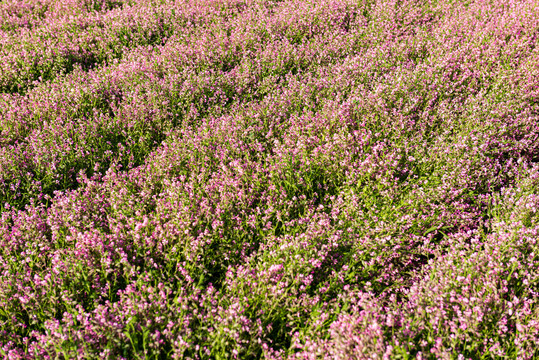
271	179
17	15
90	39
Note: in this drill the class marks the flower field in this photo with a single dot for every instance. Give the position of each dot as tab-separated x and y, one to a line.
265	179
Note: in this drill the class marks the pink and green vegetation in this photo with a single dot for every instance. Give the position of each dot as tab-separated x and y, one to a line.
245	179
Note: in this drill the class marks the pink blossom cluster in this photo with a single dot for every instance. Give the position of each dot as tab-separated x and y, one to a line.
276	179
